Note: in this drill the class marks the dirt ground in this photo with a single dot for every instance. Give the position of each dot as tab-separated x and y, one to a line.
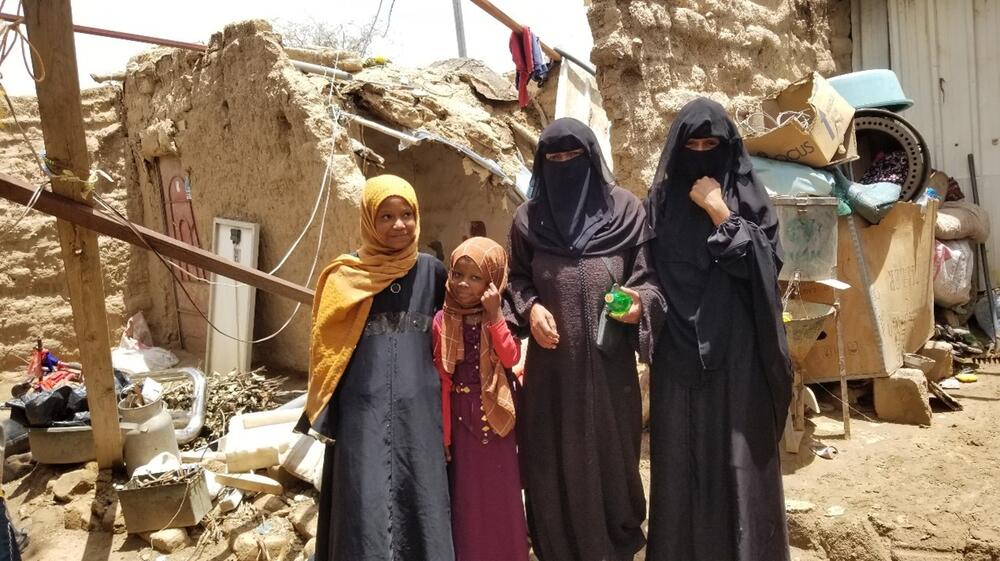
892	493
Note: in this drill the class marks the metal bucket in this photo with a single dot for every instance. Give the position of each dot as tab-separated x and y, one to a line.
807	227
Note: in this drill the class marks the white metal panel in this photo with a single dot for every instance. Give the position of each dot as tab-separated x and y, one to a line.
870	21
231	304
947	56
986	19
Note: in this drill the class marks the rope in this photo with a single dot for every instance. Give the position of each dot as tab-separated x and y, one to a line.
851	408
10	36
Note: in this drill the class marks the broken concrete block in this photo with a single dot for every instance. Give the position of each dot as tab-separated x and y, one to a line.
903	398
73	484
941	352
310	548
169	540
304	518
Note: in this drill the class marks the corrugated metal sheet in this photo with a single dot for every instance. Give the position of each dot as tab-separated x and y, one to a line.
947	56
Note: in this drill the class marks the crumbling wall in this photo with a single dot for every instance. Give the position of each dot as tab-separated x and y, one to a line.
33	296
653	56
253	135
468	104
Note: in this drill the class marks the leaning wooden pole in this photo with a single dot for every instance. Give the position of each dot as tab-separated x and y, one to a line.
50	30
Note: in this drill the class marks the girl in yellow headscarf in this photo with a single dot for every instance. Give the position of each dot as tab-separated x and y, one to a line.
374	390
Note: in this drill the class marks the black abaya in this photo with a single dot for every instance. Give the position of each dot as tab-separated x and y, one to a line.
384	490
721	379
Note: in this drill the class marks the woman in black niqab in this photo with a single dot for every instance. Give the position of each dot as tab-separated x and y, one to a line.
721	378
579	420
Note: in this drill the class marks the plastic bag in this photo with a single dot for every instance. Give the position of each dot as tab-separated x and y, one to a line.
957	220
133	356
786	179
953	267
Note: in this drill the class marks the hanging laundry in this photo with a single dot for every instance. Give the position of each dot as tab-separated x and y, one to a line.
526	51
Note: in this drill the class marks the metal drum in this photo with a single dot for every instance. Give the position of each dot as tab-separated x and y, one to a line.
807	227
878	130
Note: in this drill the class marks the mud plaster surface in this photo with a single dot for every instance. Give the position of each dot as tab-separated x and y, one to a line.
254	136
653	56
33	296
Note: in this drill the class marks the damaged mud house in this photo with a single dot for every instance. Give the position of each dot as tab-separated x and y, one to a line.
249	150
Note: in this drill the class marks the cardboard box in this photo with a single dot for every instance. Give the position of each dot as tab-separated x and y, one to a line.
828	139
899	255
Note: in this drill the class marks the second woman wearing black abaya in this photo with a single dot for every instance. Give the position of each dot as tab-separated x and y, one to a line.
579	418
721	378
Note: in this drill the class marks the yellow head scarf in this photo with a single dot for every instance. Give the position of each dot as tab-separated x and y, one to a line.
345	289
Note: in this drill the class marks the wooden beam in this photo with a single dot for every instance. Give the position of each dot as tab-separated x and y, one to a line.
20	192
503	18
50	30
123	35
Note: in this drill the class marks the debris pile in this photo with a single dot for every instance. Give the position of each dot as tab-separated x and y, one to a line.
230	395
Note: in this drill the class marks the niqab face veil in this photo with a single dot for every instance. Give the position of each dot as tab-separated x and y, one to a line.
672	213
573	209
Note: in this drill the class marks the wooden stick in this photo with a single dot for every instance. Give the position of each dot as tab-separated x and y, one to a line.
123	35
50	30
503	18
18	191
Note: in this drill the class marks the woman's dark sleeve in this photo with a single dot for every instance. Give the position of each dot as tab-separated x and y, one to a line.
746	251
520	295
644	280
731	245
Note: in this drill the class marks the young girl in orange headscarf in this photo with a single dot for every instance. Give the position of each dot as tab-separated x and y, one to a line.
474	351
374	390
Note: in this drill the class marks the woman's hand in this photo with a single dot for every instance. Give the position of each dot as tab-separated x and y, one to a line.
491	303
707	193
543	327
635	312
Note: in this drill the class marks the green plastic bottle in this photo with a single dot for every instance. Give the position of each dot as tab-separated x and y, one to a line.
617	301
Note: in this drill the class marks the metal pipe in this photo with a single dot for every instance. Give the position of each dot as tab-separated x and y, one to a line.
406	138
590	69
984	257
322	70
122	35
199	397
459	27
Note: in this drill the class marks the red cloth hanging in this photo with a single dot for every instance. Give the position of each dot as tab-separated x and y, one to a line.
520	50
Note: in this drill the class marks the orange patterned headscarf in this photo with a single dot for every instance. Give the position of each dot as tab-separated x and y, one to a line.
498	401
345	290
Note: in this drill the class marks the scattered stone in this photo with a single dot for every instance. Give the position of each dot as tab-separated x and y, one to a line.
245	547
281	475
835	510
17	466
79	516
304	518
793	506
310	548
852	539
73	484
903	398
269	503
169	540
275	535
941	352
